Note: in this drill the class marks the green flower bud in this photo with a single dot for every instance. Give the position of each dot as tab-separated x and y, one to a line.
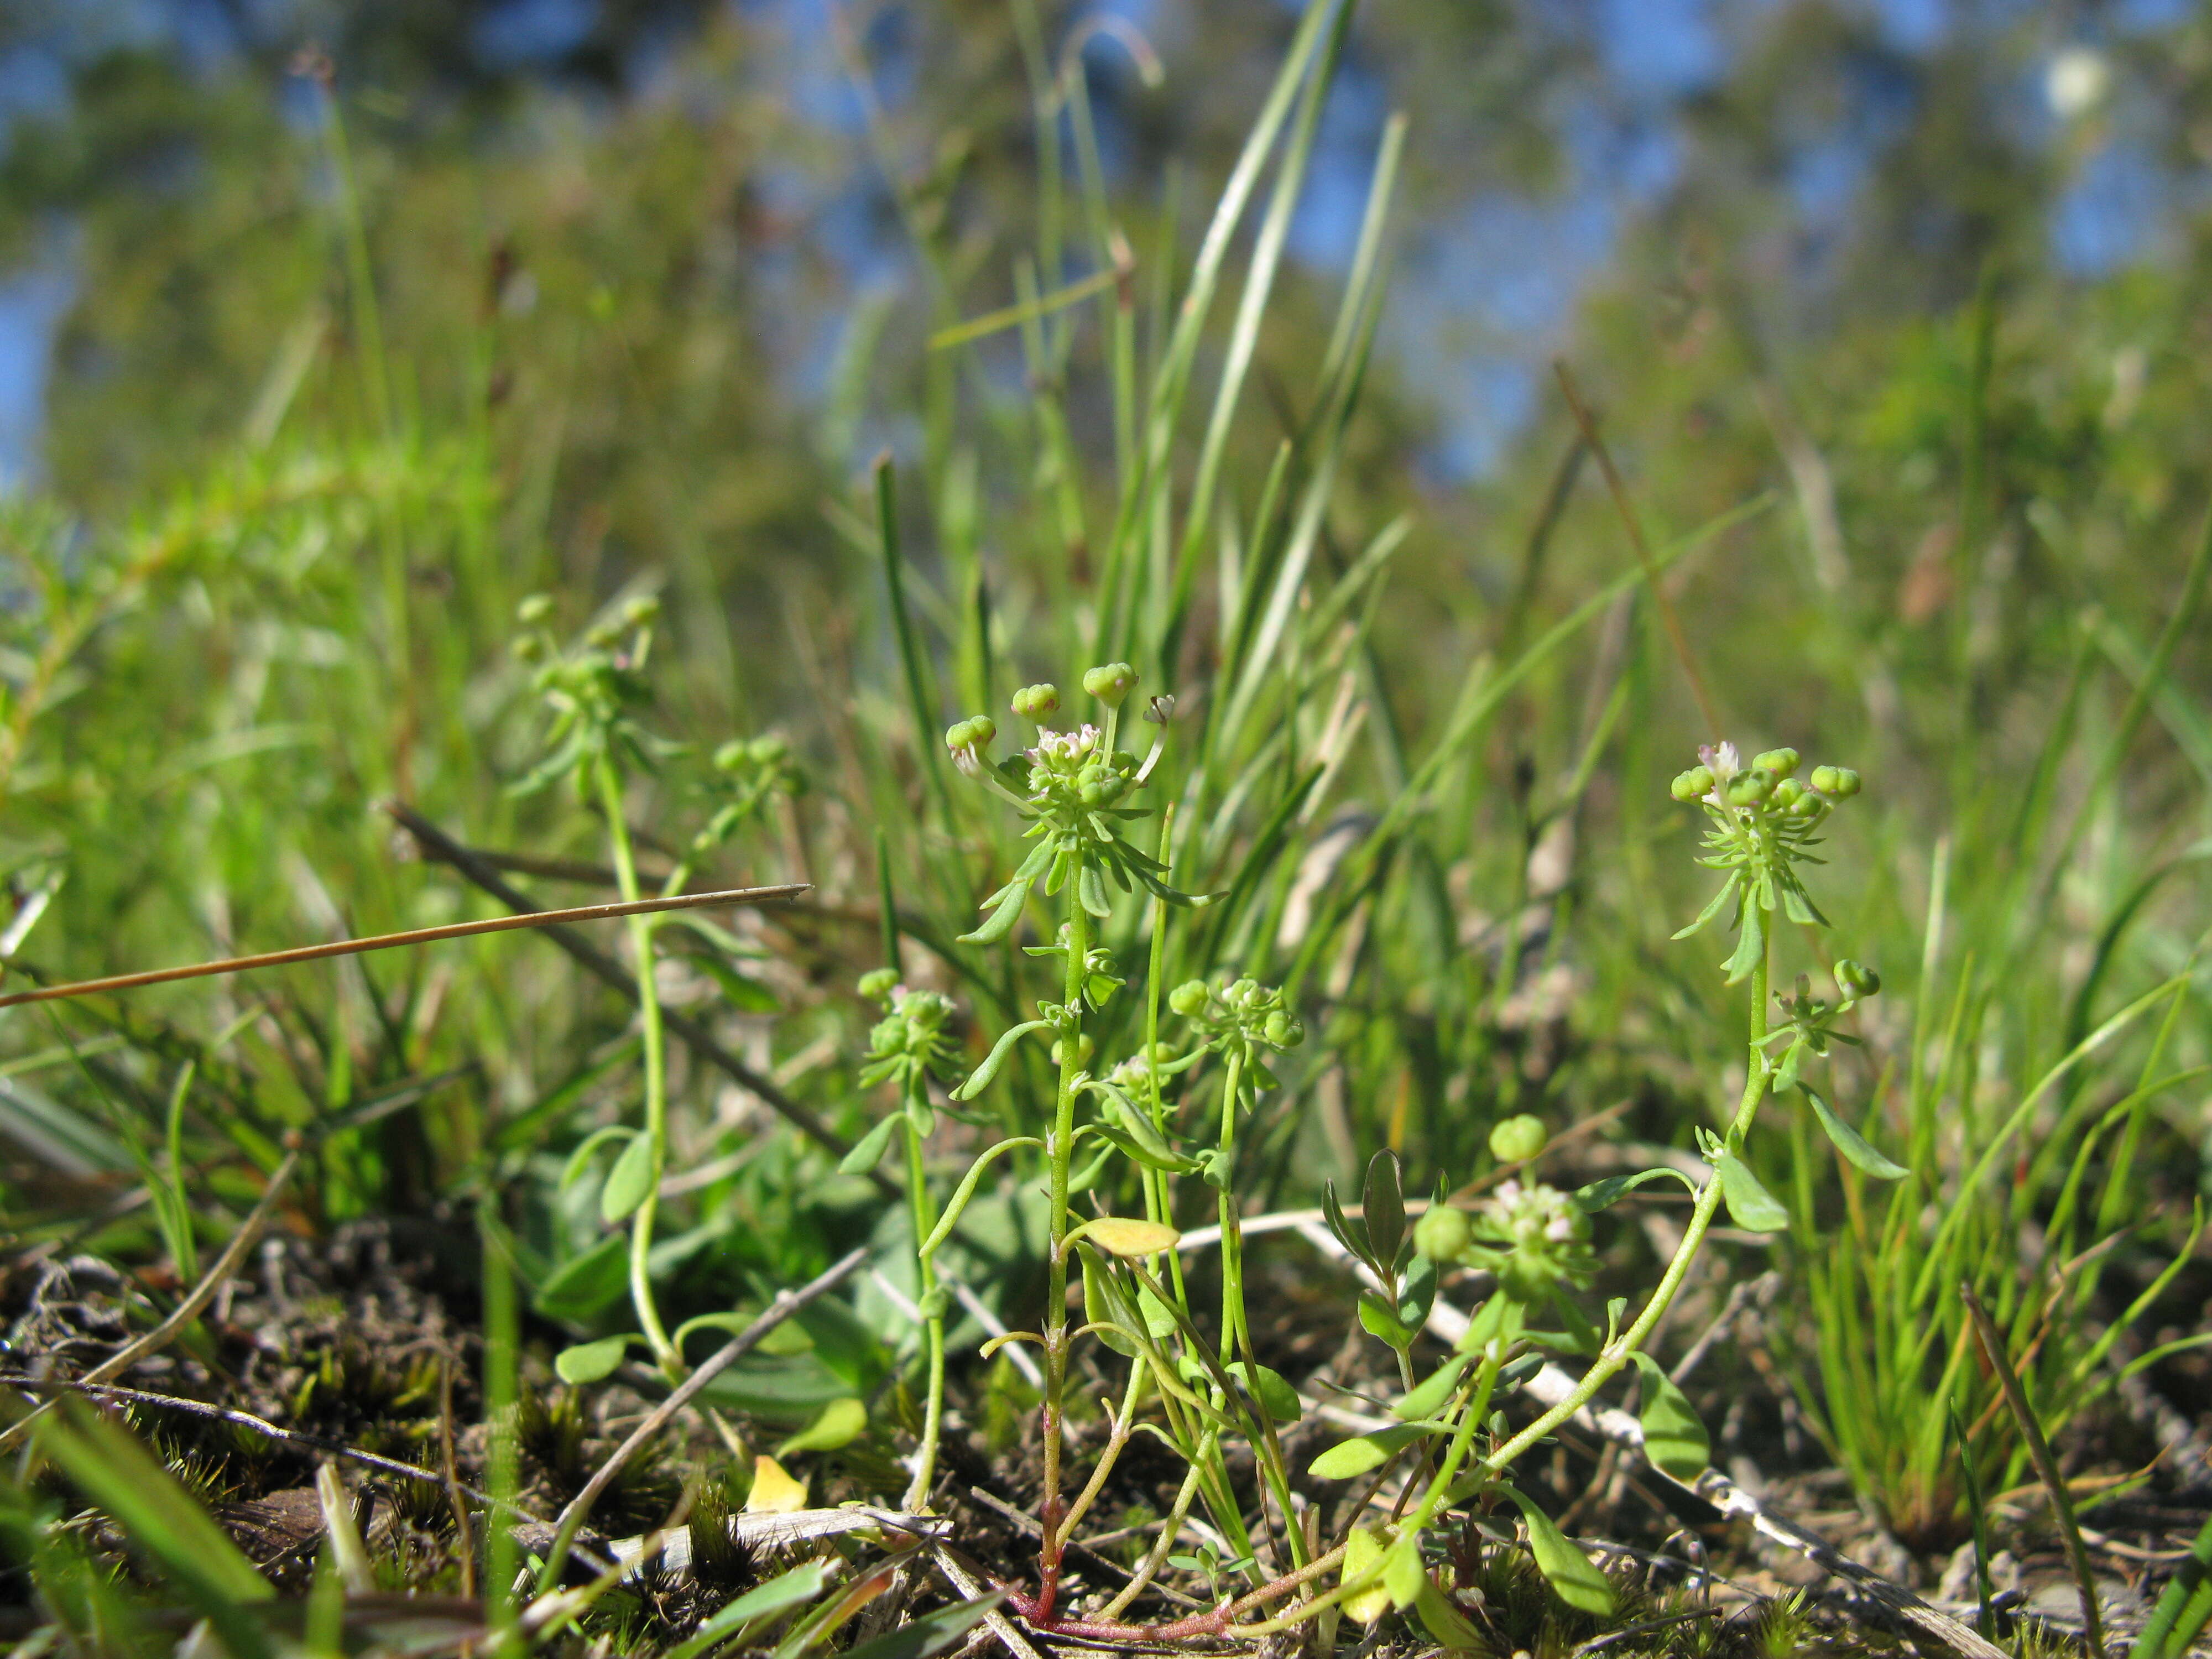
1837	782
876	984
1855	979
772	751
1517	1139
1035	701
1282	1029
1780	762
1688	786
534	610
1788	793
1443	1233
600	635
1110	683
732	755
528	647
642	610
1188	999
1750	788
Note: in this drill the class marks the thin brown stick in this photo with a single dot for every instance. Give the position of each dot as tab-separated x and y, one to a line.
189	1308
354	947
437	845
2046	1466
786	1303
1668	617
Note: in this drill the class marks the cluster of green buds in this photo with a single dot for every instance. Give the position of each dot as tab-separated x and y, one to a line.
595	690
1241	1013
1808	1022
1070	786
750	773
1535	1238
1763	819
910	1044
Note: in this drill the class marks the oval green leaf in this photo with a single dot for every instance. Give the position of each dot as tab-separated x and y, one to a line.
1573	1577
840	1422
1750	1206
1365	1451
590	1362
629	1181
1674	1438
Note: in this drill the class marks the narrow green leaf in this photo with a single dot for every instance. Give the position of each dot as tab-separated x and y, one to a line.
1674	1438
780	1594
870	1152
1427	1397
1402	1571
1599	1194
1383	1207
1853	1146
1363	1452
981	1079
932	1632
1713	909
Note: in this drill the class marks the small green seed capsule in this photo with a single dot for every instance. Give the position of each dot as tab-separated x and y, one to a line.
772	750
1855	979
733	754
534	610
1085	1047
528	647
1109	683
982	729
1688	786
1443	1234
1837	782
1788	793
1750	788
640	609
1035	701
877	982
600	635
1518	1139
961	734
1188	999
1282	1029
1780	762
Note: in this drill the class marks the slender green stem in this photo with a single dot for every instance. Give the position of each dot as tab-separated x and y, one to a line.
656	1076
1232	1237
1061	1151
1616	1353
933	1322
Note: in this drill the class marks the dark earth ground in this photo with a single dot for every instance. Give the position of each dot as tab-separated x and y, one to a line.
368	1341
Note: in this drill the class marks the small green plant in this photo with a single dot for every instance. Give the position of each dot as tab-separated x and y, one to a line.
598	692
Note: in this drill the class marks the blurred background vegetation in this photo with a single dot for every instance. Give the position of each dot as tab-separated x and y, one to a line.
329	331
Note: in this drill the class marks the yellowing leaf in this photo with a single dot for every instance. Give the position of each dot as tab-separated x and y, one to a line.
773	1491
1363	1553
1128	1236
